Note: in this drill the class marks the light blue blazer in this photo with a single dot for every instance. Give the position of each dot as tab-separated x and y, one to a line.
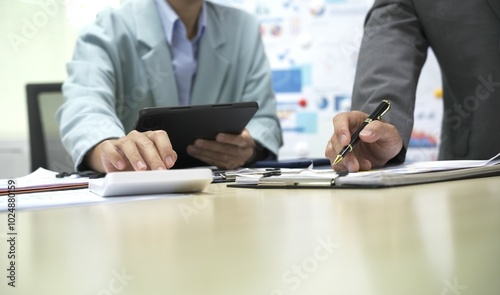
122	64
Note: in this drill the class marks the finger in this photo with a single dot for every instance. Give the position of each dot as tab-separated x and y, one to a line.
244	139
111	158
351	162
244	143
340	167
210	146
227	159
148	150
150	154
206	156
330	152
109	167
342	135
384	142
163	147
222	155
344	124
348	123
374	131
128	145
381	131
209	157
229	151
365	165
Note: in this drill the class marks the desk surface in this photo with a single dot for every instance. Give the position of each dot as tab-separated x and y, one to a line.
441	238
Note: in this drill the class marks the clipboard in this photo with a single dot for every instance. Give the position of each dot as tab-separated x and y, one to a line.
406	174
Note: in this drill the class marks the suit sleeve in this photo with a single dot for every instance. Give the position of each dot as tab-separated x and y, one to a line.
88	115
392	54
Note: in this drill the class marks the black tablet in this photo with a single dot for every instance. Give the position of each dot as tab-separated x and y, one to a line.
185	124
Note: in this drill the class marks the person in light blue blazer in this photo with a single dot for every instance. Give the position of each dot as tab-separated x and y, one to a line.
154	53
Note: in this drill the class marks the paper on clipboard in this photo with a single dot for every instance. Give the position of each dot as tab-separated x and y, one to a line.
405	174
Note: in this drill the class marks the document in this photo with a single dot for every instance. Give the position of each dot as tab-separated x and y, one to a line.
42	189
67	198
405	174
43	180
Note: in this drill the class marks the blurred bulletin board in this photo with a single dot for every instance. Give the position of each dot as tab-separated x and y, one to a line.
312	46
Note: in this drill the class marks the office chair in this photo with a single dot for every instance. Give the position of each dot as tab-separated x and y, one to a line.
46	147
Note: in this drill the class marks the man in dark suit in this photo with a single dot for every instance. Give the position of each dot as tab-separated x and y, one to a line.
465	37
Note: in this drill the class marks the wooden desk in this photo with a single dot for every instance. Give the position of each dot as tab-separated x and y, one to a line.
441	238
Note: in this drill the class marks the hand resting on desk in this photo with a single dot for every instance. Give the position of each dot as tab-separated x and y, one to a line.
137	151
379	142
152	150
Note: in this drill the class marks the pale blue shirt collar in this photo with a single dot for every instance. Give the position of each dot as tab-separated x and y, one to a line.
169	18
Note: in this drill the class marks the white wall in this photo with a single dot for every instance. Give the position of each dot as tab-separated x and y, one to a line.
36	40
35	47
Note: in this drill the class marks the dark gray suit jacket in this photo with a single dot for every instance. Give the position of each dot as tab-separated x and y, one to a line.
465	36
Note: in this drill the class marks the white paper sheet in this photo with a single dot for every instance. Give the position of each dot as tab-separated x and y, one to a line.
64	198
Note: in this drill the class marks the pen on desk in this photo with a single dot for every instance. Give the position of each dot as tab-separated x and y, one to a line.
382	108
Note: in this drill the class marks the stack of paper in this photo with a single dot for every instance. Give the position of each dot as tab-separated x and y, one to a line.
413	173
44	180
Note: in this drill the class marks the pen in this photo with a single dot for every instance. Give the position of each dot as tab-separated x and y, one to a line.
382	108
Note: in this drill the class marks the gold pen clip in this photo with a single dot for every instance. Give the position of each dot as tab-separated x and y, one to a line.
386	110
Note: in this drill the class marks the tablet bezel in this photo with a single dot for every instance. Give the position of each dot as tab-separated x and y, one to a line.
185	124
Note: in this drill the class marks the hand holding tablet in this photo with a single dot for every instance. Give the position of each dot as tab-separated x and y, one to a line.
198	126
227	151
162	136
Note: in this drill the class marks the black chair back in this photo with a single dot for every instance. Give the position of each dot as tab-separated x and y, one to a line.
46	148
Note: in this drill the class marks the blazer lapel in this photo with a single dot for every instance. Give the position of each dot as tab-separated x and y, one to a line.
160	76
495	4
212	66
155	54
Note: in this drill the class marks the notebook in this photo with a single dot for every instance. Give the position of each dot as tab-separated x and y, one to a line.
41	180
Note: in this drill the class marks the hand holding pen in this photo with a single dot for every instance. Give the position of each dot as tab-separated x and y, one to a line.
377	141
377	114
